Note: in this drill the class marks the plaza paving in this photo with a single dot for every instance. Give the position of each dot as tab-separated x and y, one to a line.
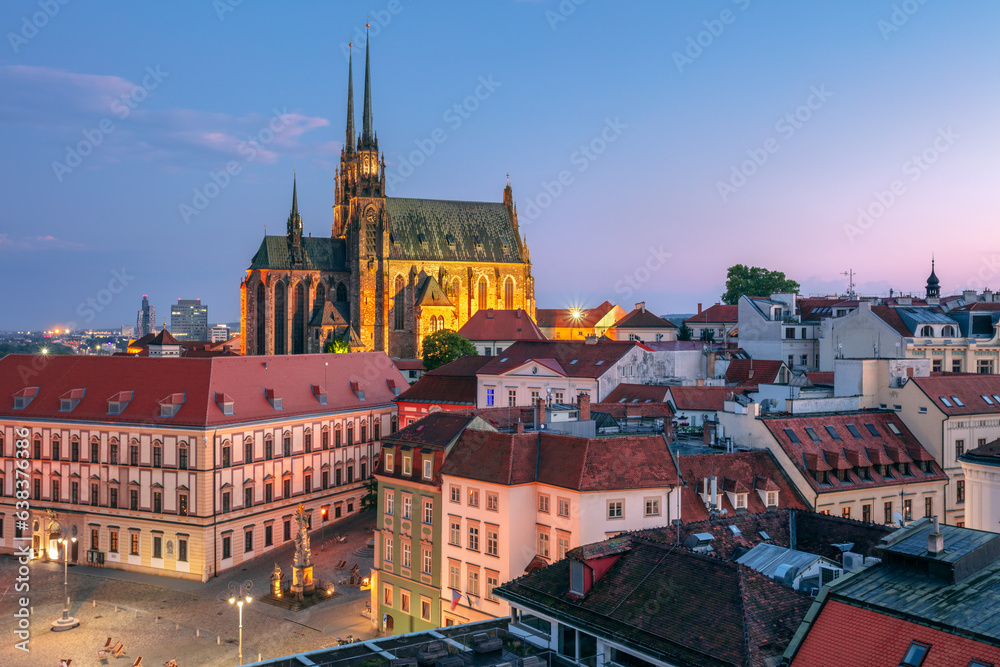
159	618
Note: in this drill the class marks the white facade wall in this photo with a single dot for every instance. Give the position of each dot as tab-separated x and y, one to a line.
982	496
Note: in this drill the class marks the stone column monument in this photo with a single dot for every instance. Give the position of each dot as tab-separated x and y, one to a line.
302	567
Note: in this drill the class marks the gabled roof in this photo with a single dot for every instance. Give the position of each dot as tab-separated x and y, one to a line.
155	382
717	314
892	319
318	253
637	393
577	359
163	338
672	604
453	383
437	429
493	325
572	462
563	317
756	470
640	318
453	231
333	314
431	294
700	398
755	371
968	388
853	447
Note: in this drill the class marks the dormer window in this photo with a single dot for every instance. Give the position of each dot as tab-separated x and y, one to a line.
576	570
407	465
273	398
118	402
389	462
450	240
171	405
772	499
70	399
864	473
393	388
478	243
358	391
428	468
319	393
24	397
225	403
741	502
422	239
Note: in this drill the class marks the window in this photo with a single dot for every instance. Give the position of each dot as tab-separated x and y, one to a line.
407	506
387	554
428	561
984	366
133	499
268	448
95	540
543	544
113	498
454	576
308	481
113	535
866	513
390	501
456	494
543	503
133	544
406	555
286	445
845	511
474	538
307	441
287	530
854	431
157	501
615	509
490	398
268	492
387	595
888	513
95	451
404	601
792	437
94	494
871	429
455	534
741	501
473	497
959	448
789	333
563	507
928	507
55	449
428	468
981	442
915	655
325	438
157	546
960	491
248	497
812	434
133	455
473	588
286	487
248	451
956	366
512	397
946	402
336	436
55	490
833	432
157	456
652	507
407	462
936	366
805	357
492	502
771	498
428	512
389	462
563	545
492	542
350	435
492	581
74	492
425	609
908	510
113	453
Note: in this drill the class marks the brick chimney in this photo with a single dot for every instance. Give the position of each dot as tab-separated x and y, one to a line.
519	428
699	309
584	402
539	413
641	306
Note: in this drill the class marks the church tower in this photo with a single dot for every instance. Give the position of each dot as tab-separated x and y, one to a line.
933	284
347	174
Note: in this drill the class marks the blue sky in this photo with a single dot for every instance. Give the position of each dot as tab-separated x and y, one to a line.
805	137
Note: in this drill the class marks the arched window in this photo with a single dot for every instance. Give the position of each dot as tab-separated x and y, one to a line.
260	308
926	331
350	433
320	298
440	322
456	289
399	303
299	317
481	290
341	292
268	447
508	294
393	424
95	448
377	429
280	318
364	431
948	331
55	446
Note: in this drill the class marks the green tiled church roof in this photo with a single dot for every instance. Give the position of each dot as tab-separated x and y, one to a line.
455	231
322	254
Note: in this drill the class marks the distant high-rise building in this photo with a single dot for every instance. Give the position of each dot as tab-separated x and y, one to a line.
218	333
146	321
189	320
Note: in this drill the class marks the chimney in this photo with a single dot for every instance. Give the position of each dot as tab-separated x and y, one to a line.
539	413
935	541
715	496
591	340
519	428
584	401
641	306
699	309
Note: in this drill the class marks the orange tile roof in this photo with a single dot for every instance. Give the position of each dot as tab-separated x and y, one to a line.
493	324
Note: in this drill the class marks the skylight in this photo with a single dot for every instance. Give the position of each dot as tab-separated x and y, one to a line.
735	530
812	434
573	362
871	429
958	401
987	399
946	402
854	431
833	432
503	360
791	436
996	399
599	362
895	429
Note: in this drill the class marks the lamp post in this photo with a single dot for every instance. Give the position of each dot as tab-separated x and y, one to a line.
66	622
238	594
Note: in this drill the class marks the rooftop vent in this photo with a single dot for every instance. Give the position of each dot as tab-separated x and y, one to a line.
450	240
170	405
70	399
319	393
699	542
422	239
358	391
118	402
225	403
393	388
273	398
734	530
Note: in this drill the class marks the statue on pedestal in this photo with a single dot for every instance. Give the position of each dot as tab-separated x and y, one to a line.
302	569
276	581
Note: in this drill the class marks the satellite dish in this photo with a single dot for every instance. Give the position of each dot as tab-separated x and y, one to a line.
898	518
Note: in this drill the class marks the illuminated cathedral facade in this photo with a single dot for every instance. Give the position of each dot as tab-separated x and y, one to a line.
393	269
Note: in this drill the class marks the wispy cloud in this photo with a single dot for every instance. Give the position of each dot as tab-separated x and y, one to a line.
62	104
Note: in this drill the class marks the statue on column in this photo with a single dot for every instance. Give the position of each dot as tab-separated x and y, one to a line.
302	568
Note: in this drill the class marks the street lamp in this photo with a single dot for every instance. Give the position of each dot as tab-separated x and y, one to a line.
238	594
67	622
322	536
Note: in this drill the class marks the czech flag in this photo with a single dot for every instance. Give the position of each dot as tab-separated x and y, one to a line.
456	597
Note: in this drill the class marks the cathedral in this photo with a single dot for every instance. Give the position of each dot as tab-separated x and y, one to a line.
393	270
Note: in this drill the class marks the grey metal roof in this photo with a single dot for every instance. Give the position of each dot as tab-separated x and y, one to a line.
455	231
320	253
917	316
958	542
767	558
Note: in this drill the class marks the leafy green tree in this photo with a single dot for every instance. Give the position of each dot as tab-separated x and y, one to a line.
708	335
369	501
444	346
743	280
336	346
684	333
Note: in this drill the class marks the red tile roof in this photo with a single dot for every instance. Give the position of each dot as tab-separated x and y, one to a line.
409	364
891	317
640	318
717	314
637	393
969	388
198	381
755	471
756	371
577	359
981	305
626	410
881	640
437	428
701	398
820	377
571	462
827	453
562	317
453	383
808	304
501	325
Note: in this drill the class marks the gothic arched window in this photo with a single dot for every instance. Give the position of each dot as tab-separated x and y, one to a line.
482	290
399	303
508	294
341	292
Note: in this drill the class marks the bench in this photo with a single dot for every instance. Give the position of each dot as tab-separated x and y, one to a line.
138	662
341	565
430	653
483	643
